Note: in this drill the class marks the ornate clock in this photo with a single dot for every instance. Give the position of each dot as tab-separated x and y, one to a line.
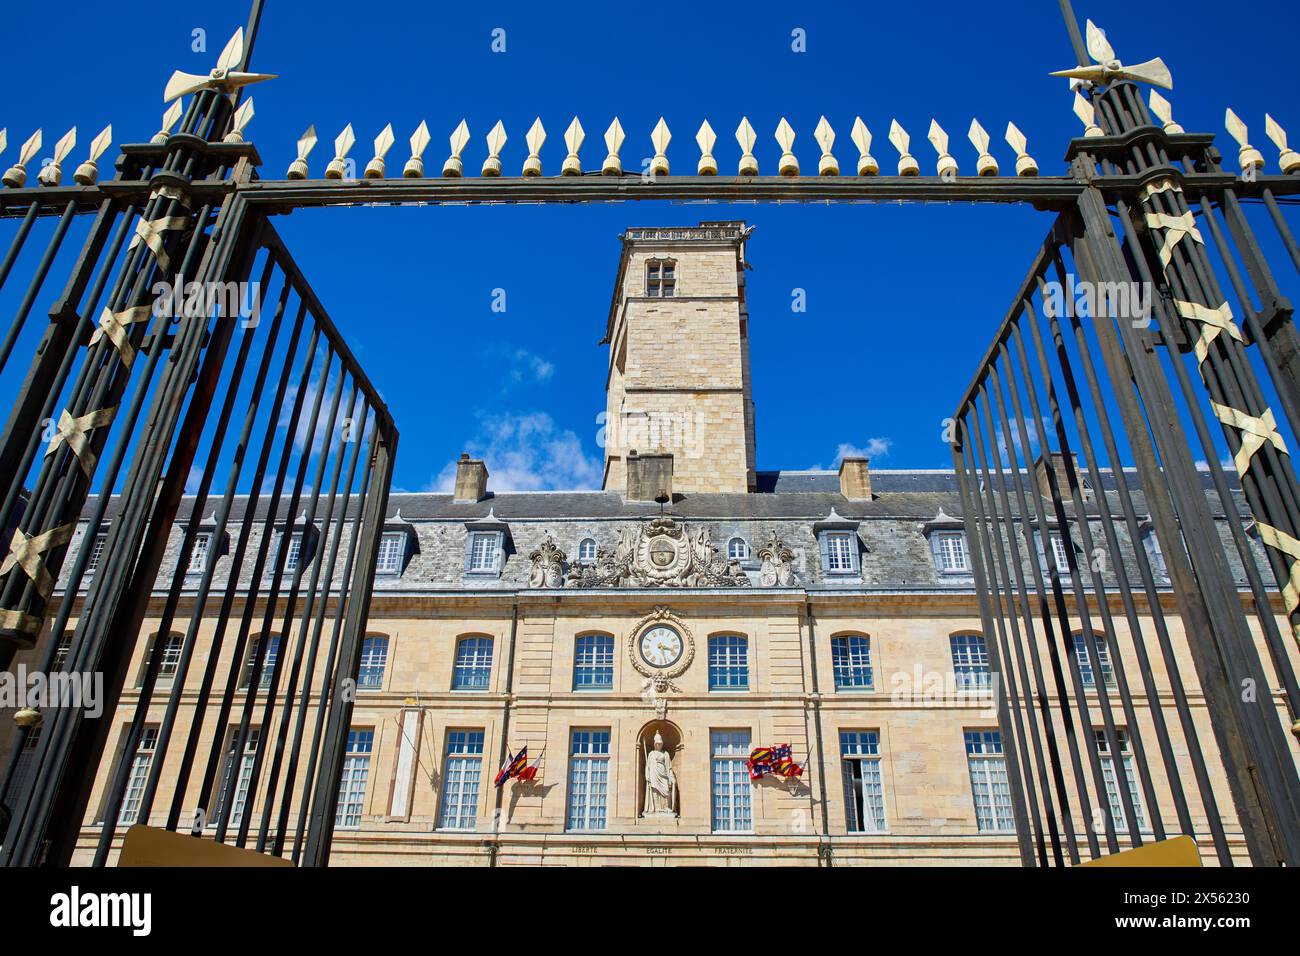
661	645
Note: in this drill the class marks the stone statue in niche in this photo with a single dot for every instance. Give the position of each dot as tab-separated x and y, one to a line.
660	781
548	565
777	564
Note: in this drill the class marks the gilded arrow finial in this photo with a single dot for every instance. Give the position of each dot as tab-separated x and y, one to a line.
1165	113
225	78
1025	165
342	145
453	168
52	174
414	168
306	143
1085	111
705	137
534	139
496	141
169	120
88	172
746	137
1288	159
573	137
1248	157
659	139
788	164
907	164
613	166
861	136
825	137
1107	68
986	164
241	119
383	143
947	166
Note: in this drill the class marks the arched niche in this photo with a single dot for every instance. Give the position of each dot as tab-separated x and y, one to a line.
672	737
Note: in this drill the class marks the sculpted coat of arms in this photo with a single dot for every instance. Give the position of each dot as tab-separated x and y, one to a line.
663	553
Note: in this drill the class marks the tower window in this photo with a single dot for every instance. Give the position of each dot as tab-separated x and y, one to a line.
661	278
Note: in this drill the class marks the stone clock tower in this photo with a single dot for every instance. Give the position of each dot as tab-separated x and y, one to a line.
680	412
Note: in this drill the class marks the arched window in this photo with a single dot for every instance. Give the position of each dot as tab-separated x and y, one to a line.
587	551
737	549
593	662
728	662
171	657
473	663
268	663
851	661
970	660
1086	675
374	655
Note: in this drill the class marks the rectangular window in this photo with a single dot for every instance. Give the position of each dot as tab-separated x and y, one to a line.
392	552
1086	675
661	279
728	662
374	655
61	653
460	779
483	551
851	662
199	554
1108	774
243	766
291	558
268	662
839	552
352	785
864	794
140	763
988	781
970	661
96	552
588	780
171	657
593	662
954	558
473	669
731	787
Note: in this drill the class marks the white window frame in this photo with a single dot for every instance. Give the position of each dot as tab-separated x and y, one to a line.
462	779
96	551
372	660
483	547
1113	800
169	665
392	552
587	802
141	761
737	554
199	553
587	551
852	663
474	663
661	278
269	663
242	784
860	751
356	776
1087	676
840	552
728	656
593	653
970	661
988	781
953	552
730	789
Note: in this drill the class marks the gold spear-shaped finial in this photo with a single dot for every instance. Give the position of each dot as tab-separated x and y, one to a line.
947	166
239	121
343	143
224	78
825	137
414	168
1107	68
1288	159
496	141
573	137
15	176
52	174
746	137
705	137
1085	111
1165	113
306	143
383	143
534	140
88	172
168	121
986	164
788	164
907	164
1248	157
861	136
613	166
1025	165
659	139
453	168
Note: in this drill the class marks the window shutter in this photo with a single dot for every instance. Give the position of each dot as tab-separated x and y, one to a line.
823	545
935	554
469	550
501	551
855	552
851	791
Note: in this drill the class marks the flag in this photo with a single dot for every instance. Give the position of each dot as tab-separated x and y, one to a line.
778	760
529	774
512	768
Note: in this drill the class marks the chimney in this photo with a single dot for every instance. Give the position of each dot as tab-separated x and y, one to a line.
649	476
1057	462
855	479
471	479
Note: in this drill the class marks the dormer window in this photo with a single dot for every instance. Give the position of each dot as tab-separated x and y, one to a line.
392	552
587	551
661	278
951	552
839	545
839	552
483	551
738	549
485	546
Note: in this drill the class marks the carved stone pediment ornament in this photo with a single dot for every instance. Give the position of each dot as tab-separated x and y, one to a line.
548	565
662	553
778	564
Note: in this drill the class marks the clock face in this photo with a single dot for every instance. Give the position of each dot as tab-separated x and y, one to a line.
661	646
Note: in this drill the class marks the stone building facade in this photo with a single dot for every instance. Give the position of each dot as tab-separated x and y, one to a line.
831	611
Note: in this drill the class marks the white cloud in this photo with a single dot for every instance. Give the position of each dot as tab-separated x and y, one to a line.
530	368
875	448
527	452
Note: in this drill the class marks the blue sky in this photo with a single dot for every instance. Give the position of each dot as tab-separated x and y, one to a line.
901	299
